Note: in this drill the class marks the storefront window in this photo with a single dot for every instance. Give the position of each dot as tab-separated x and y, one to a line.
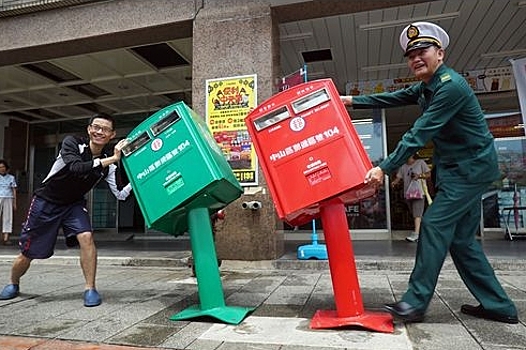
104	207
501	204
369	213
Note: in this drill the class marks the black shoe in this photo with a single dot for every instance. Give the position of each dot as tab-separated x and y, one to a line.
480	312
404	311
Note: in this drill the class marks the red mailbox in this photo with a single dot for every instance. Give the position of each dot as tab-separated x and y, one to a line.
309	150
314	164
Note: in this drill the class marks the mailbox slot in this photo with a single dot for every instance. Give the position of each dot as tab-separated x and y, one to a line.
311	100
137	143
164	123
271	118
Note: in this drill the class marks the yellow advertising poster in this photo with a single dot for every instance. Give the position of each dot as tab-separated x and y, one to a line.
228	102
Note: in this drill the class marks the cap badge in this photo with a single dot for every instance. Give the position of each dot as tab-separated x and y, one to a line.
412	32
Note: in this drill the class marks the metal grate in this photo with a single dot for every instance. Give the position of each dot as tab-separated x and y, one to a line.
18	7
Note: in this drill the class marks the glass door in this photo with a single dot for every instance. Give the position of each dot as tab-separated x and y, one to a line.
502	205
370	213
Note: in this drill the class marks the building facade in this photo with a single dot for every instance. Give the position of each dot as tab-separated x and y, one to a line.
63	61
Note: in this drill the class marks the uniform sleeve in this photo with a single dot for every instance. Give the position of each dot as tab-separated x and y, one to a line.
448	100
112	184
71	154
404	97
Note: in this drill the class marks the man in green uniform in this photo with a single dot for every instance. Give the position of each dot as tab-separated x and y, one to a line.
466	164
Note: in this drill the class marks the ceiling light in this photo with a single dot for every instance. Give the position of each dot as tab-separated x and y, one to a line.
297	36
384	67
503	53
362	121
399	22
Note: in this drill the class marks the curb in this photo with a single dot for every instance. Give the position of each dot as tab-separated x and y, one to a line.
362	263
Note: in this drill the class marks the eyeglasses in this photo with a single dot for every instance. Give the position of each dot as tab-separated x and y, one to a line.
99	128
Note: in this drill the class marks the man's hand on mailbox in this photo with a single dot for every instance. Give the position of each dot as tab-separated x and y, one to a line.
118	148
375	176
347	100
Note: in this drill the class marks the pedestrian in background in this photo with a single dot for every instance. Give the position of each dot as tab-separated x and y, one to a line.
465	160
7	201
412	174
60	203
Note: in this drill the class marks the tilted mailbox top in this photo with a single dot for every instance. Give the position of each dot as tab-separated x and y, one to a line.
174	163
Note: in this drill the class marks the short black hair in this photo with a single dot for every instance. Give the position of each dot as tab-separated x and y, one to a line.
2	161
103	116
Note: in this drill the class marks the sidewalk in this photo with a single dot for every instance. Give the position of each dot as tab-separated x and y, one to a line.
143	284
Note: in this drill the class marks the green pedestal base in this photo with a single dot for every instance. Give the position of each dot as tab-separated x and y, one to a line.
211	298
227	314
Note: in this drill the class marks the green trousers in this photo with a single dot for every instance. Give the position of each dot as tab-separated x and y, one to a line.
450	224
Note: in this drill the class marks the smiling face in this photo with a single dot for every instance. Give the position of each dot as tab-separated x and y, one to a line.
100	132
424	62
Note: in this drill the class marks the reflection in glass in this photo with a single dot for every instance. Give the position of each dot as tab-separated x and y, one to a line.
310	101
511	188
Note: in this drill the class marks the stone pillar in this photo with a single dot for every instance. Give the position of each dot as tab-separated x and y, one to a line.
233	38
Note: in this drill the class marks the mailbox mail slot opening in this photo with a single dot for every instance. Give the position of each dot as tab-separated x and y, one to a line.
310	101
271	118
164	123
137	143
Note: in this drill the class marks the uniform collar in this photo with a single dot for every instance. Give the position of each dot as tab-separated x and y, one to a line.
436	80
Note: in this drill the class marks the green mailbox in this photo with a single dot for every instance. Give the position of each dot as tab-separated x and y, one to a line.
174	164
180	176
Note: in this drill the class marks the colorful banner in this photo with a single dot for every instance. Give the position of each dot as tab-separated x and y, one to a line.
488	80
519	71
228	102
491	79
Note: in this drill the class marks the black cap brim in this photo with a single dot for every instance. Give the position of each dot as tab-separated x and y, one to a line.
419	45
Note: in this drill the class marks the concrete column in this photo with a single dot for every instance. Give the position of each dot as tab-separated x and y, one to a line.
231	38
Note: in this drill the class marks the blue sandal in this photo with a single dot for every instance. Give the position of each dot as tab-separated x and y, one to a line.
10	291
92	298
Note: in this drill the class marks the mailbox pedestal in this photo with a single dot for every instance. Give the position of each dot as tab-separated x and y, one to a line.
211	297
314	163
347	295
179	177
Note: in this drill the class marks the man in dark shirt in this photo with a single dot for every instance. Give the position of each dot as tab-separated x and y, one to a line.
465	160
59	203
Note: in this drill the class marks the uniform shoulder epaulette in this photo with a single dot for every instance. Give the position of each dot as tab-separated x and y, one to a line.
445	77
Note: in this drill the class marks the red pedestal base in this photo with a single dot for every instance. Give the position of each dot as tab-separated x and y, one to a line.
376	321
347	296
